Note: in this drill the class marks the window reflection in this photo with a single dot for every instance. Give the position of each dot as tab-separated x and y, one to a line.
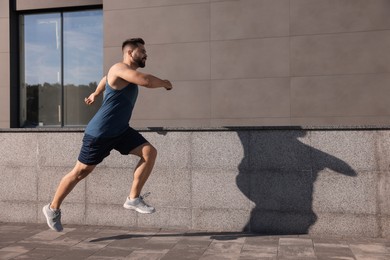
41	69
83	59
61	61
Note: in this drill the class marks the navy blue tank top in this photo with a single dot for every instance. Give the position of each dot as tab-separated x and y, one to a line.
113	117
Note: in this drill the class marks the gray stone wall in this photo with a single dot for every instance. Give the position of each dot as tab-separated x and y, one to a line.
281	181
239	62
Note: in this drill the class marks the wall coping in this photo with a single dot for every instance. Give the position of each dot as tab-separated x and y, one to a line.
203	129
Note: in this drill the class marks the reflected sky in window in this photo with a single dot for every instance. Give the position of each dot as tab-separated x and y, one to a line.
82	47
42	48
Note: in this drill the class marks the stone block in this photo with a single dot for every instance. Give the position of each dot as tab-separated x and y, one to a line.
384	192
281	223
16	211
125	4
48	180
280	150
59	149
172	217
383	150
196	93
117	160
18	183
18	149
345	152
310	17
72	213
173	149
4	28
385	226
217	189
337	193
110	215
5	107
321	121
108	186
349	225
219	150
249	19
4	68
167	60
165	24
220	219
259	98
4	8
169	187
42	4
184	123
284	191
259	121
340	96
336	54
257	58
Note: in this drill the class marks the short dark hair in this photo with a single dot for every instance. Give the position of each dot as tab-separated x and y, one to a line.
133	42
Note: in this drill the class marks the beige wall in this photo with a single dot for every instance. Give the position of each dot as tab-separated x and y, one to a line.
4	65
44	4
245	62
258	62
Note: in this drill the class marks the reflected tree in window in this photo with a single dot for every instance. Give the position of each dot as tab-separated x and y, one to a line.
61	61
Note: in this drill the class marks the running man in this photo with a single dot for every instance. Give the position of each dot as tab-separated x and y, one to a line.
109	129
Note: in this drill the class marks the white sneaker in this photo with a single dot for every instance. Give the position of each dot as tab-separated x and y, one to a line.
53	218
139	204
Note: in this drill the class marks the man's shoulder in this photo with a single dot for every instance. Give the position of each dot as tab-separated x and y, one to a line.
120	66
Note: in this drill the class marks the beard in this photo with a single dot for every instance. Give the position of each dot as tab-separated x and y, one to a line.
140	62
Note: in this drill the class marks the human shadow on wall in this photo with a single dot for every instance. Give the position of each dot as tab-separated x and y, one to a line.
277	174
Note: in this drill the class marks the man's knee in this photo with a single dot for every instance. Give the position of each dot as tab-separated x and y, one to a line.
82	170
150	152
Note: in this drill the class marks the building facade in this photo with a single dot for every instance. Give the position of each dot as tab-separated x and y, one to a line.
232	62
295	65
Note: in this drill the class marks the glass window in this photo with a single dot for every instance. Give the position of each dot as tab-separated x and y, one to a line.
61	63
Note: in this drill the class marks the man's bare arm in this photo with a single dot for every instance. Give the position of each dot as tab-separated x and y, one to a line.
142	79
100	88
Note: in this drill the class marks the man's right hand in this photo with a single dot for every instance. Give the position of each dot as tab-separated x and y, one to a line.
89	100
169	85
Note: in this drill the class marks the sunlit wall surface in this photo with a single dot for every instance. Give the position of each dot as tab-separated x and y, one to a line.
61	63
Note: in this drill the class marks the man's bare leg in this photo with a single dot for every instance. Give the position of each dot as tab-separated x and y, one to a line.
52	211
69	181
148	155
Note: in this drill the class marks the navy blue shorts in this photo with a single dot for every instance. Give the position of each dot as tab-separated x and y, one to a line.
95	149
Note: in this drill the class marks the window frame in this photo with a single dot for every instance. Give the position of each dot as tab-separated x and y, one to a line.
15	63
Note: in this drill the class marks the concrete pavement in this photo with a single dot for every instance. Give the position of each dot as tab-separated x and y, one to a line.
36	241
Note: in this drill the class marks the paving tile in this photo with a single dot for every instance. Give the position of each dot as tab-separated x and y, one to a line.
105	258
109	252
296	247
223	250
260	251
187	249
40	253
49	235
34	241
333	250
12	251
376	251
148	254
74	254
